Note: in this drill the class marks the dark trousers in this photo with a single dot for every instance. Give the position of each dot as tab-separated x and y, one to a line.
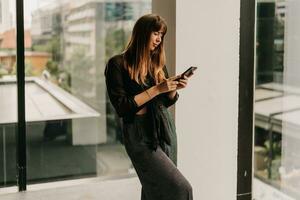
157	171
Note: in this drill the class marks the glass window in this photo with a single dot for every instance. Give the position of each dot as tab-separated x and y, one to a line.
72	130
8	96
277	101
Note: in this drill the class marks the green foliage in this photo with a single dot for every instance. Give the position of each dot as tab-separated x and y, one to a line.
116	11
116	40
276	148
64	80
52	67
14	69
80	62
28	69
59	76
3	71
276	159
52	46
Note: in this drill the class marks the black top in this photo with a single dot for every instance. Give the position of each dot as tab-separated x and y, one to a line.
121	91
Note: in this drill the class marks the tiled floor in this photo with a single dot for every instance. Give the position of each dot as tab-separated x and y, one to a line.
122	189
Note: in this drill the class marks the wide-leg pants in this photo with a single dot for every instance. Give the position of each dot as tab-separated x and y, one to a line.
157	171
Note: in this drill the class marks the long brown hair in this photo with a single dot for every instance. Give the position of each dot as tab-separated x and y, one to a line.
139	60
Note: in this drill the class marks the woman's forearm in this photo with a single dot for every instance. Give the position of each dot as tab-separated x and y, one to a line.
169	86
146	96
172	94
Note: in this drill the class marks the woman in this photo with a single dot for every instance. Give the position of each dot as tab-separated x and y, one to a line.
140	90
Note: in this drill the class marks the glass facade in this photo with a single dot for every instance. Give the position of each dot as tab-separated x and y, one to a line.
277	99
8	99
72	129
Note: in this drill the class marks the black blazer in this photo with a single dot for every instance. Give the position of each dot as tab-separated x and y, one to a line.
121	91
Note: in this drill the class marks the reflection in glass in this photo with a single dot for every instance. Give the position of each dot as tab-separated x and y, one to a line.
277	99
8	95
72	130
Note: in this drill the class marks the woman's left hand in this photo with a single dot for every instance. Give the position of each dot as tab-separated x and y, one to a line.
182	83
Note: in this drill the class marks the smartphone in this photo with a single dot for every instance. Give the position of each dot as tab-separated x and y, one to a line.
189	72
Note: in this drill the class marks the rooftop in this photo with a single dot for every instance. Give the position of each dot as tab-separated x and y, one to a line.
44	101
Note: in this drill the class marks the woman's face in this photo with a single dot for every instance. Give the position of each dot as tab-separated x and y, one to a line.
155	39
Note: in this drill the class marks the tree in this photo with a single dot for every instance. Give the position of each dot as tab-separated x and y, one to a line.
115	42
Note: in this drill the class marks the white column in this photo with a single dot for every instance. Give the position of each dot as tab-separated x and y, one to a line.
207	36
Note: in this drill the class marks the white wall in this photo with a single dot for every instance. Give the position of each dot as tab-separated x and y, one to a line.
291	78
207	35
292	44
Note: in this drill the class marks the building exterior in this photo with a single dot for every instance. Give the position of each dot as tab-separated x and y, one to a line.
86	32
5	16
36	60
46	22
8	40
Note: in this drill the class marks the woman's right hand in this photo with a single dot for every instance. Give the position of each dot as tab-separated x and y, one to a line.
168	85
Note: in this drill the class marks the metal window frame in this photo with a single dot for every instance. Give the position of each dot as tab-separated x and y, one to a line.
21	124
246	91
